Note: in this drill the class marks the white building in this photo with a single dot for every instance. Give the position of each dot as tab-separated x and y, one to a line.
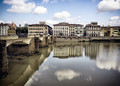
92	29
61	29
66	29
79	30
4	29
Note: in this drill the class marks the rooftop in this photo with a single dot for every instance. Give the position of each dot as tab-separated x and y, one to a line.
67	24
4	24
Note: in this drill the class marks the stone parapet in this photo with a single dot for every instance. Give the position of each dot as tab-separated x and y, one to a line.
8	37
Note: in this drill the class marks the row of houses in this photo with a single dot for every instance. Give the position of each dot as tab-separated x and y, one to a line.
62	29
90	30
8	29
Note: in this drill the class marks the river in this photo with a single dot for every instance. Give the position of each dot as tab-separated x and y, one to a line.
67	64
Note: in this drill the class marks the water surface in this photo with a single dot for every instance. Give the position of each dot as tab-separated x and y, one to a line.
83	64
67	64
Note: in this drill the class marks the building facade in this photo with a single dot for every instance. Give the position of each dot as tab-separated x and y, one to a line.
36	30
115	31
105	31
4	29
12	29
92	29
66	29
79	30
61	29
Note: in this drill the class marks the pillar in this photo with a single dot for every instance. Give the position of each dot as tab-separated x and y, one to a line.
36	45
3	59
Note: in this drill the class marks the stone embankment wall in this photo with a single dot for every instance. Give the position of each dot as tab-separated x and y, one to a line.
71	39
8	37
86	39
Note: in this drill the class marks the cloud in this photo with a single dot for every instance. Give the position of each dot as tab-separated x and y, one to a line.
51	22
1	21
66	74
108	5
14	2
66	17
115	20
62	15
40	10
20	6
45	1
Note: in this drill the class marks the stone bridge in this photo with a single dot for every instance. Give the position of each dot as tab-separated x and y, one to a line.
22	46
28	45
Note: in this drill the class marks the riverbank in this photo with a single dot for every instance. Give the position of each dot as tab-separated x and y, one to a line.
86	39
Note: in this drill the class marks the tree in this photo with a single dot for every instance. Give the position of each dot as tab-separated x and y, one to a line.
25	25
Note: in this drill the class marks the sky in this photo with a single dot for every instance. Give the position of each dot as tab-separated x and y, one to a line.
105	12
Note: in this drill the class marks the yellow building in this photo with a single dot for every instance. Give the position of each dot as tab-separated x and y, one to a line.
105	31
12	29
37	30
8	29
115	31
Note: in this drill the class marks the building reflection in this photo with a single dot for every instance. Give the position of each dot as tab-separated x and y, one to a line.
69	50
92	49
75	50
21	68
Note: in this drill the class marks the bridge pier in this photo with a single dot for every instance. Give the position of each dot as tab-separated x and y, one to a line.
43	41
50	39
3	59
36	45
54	38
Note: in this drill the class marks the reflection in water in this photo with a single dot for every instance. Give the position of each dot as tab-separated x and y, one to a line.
98	65
88	70
21	68
109	57
65	51
92	50
66	74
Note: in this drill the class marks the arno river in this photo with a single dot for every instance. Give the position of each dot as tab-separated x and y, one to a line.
67	64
